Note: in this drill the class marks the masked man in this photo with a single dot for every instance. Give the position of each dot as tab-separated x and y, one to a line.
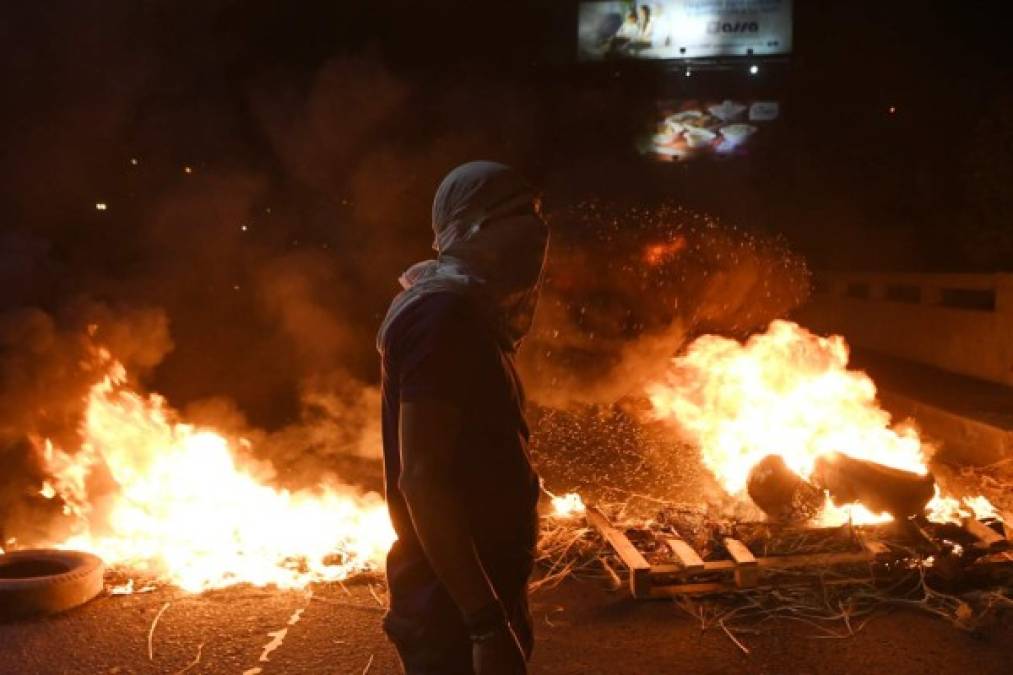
460	487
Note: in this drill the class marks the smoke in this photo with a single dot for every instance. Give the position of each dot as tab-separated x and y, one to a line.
625	288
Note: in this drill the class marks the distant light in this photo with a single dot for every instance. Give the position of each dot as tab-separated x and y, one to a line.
244	228
133	160
187	169
754	69
892	109
236	287
688	72
101	206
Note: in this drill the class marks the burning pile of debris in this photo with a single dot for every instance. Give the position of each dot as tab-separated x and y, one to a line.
846	511
779	421
163	501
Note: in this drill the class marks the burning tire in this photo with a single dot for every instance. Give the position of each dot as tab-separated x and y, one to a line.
781	493
45	581
881	488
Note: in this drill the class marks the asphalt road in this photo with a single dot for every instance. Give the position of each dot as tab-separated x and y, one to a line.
581	628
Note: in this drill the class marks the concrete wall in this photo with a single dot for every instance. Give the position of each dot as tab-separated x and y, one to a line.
958	322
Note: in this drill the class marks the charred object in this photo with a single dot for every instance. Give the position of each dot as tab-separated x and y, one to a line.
880	488
781	493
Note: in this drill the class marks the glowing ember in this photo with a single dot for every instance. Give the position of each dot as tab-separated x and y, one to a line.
569	505
656	254
787	392
180	506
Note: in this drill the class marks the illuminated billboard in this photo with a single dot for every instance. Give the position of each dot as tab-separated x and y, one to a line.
683	29
686	129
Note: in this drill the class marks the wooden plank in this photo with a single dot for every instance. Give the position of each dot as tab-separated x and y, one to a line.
684	554
618	539
747	572
676	590
640	569
814	560
740	552
744	568
986	536
775	562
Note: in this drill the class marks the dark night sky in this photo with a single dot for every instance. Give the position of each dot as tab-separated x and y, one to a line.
93	84
324	127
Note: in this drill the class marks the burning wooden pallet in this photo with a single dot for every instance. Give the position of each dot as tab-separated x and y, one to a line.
678	569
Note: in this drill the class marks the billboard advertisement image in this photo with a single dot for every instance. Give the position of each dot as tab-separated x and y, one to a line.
697	128
683	29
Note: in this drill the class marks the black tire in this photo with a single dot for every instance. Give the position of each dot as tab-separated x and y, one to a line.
47	581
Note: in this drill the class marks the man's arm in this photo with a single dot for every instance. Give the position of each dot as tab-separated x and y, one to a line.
429	431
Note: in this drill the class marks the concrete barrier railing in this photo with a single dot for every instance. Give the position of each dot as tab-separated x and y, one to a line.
962	323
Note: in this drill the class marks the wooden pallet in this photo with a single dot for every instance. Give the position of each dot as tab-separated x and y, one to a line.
689	574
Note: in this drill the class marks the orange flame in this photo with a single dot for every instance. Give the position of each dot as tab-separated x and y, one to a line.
569	505
183	508
786	392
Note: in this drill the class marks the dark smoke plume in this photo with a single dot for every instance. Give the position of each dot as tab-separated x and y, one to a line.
625	288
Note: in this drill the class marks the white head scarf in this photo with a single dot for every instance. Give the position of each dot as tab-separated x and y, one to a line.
490	245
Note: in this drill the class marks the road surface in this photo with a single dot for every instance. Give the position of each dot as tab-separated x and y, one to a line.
581	628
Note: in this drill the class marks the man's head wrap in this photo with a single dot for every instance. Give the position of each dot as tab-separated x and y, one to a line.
490	244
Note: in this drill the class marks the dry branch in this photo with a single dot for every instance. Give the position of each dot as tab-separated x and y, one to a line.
151	631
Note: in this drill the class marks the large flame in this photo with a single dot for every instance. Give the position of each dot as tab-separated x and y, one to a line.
153	494
786	392
181	505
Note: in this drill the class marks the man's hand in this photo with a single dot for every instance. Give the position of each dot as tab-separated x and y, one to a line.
499	653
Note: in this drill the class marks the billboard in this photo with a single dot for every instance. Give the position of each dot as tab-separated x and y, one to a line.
686	129
683	29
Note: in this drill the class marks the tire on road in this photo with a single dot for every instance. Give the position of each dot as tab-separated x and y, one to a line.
47	581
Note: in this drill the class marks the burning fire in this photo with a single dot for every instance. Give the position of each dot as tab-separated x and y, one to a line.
153	494
788	392
568	505
182	506
166	499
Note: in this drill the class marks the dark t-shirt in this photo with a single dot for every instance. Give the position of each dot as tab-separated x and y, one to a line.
441	348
